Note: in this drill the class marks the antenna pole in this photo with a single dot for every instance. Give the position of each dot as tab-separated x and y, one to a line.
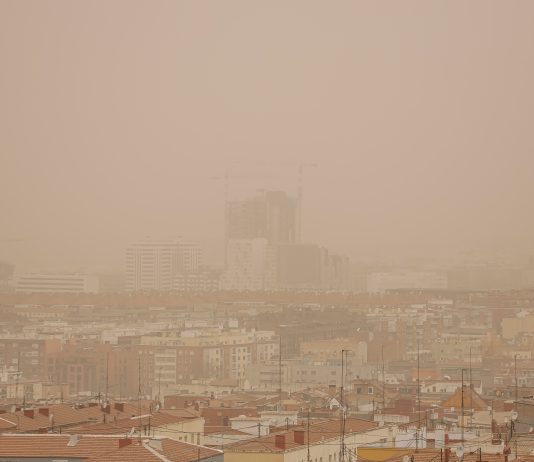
418	399
308	438
462	423
515	380
107	376
17	381
159	385
383	382
280	372
139	398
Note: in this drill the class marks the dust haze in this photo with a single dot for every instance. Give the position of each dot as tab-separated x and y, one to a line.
118	117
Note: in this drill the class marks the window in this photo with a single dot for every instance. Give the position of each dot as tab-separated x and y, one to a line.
370	390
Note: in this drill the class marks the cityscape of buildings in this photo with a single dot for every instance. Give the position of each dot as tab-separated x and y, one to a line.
263	251
261	231
234	375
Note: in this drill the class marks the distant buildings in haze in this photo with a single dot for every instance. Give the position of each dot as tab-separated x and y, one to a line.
262	251
55	283
153	264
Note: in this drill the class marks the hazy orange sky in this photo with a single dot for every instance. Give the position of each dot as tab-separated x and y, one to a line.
115	114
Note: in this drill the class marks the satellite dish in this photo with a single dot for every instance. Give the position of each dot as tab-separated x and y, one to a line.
459	451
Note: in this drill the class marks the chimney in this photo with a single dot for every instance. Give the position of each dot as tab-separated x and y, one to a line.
124	442
298	436
280	442
29	413
447	454
119	407
44	411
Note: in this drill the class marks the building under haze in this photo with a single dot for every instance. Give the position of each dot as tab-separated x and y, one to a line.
250	265
55	283
262	252
155	264
254	228
309	266
271	215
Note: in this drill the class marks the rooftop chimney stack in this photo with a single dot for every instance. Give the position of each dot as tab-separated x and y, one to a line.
298	436
280	442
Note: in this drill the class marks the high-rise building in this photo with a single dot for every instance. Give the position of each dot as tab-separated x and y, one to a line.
309	266
250	265
154	264
254	228
271	215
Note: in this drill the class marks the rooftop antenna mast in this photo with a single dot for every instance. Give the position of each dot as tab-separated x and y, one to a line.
308	438
383	382
280	371
17	379
418	399
107	376
462	423
342	404
139	397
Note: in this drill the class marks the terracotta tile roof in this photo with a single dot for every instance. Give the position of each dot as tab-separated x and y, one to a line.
101	448
472	400
319	431
179	451
221	430
133	453
167	450
47	445
123	426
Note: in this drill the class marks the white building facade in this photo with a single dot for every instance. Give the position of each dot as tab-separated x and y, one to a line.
55	283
